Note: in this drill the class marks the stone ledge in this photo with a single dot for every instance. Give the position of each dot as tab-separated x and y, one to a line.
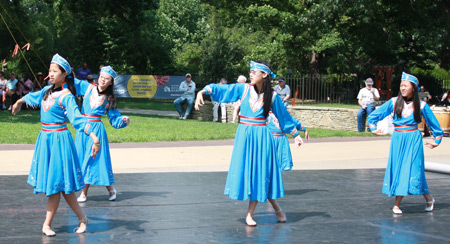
315	117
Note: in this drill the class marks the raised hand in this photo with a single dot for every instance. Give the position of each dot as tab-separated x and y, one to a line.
126	120
298	141
378	132
16	107
431	145
199	100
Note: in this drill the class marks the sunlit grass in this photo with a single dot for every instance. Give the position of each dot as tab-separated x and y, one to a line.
24	128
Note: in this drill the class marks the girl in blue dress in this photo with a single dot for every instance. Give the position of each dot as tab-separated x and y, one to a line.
55	168
405	172
254	173
281	142
98	100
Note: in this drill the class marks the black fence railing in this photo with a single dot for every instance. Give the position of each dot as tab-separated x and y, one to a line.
332	88
324	89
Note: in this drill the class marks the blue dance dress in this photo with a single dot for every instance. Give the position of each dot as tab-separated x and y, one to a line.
254	173
281	142
96	171
405	171
55	166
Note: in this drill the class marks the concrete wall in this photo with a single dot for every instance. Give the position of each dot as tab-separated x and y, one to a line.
206	112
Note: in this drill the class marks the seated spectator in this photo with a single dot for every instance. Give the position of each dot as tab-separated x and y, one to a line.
24	86
237	105
424	95
11	88
3	82
366	99
187	88
83	72
223	107
283	90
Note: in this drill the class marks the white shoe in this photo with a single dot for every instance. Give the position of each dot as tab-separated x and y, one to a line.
9	107
430	208
184	118
396	210
4	106
82	198
47	231
181	117
113	196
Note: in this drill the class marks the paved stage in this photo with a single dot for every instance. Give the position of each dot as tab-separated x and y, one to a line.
322	206
332	196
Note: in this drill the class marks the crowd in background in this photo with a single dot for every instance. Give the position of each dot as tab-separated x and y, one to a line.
13	87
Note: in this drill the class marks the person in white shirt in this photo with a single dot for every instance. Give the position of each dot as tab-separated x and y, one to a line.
222	106
366	99
237	104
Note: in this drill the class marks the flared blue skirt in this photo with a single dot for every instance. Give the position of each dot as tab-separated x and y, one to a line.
254	173
96	171
55	166
283	152
405	172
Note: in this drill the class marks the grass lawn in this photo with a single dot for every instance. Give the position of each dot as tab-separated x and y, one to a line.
145	103
25	127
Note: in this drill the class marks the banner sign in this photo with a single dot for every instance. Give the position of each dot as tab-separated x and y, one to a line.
148	86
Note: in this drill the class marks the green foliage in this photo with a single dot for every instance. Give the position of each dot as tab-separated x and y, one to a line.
219	38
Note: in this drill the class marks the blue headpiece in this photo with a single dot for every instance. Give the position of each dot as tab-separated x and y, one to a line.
57	59
411	78
108	70
262	67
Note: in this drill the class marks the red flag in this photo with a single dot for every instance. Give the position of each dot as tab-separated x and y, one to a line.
27	45
16	48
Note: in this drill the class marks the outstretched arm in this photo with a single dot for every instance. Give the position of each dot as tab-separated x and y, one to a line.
16	107
199	100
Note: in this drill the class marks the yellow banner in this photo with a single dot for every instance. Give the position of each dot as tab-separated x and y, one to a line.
142	86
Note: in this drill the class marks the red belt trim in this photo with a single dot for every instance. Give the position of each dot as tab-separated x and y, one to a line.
53	130
94	120
278	134
399	126
407	130
254	124
92	115
51	124
252	118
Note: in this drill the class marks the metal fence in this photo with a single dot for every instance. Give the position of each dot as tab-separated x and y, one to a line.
333	88
324	89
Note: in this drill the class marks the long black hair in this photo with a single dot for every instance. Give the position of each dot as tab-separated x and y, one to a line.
68	80
267	90
416	104
109	93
